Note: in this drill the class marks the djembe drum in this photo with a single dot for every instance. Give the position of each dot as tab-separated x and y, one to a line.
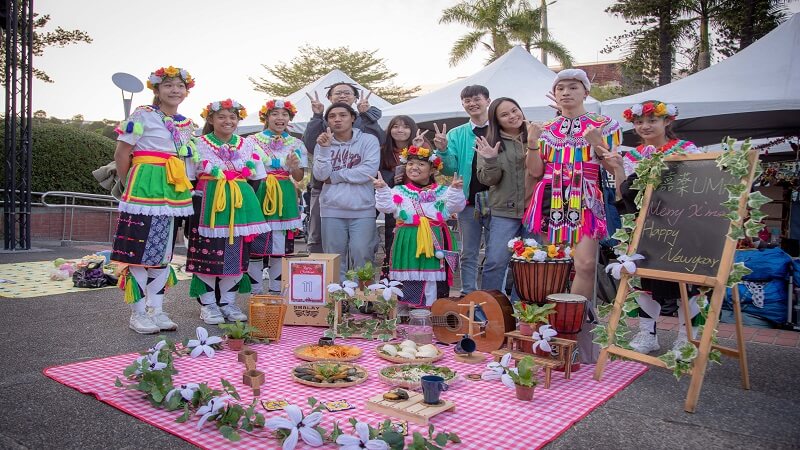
570	313
536	280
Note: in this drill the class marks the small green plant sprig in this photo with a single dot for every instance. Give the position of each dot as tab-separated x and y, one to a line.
525	373
533	313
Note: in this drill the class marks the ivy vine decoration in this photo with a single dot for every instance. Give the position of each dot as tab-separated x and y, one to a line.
381	298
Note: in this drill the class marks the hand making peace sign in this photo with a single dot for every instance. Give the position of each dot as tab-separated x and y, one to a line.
316	106
458	182
419	139
440	137
363	104
378	182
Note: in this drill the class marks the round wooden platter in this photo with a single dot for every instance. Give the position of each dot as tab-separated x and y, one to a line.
407	384
298	353
331	385
399	360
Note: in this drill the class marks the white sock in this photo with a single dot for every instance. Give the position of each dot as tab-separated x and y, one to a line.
227	290
275	268
647	325
682	321
156	288
138	307
210	297
256	272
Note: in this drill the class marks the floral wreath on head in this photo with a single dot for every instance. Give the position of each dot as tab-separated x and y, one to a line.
656	108
163	73
233	105
276	104
422	153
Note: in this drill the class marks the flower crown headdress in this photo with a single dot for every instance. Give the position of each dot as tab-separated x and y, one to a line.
422	153
276	104
163	73
655	107
224	104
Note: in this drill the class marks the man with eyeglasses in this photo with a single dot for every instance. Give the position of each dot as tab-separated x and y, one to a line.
457	150
367	121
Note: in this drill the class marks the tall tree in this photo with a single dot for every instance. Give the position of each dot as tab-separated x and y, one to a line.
528	26
742	22
43	39
313	62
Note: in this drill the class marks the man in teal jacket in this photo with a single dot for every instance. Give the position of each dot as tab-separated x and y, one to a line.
457	150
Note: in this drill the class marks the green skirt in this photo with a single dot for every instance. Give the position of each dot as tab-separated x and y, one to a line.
247	220
288	217
148	193
405	265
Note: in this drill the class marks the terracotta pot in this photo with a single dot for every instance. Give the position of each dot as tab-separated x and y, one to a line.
524	393
235	344
527	346
525	329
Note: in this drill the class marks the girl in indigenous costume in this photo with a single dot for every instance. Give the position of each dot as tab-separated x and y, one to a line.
228	215
284	158
567	204
152	145
423	254
652	121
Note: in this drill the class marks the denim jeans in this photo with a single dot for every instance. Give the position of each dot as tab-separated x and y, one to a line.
497	255
352	239
471	230
314	238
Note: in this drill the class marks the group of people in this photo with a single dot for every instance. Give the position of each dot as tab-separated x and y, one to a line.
510	177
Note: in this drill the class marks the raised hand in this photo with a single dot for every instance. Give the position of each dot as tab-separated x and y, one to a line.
440	137
553	105
593	136
484	149
458	182
419	139
292	162
378	182
316	106
363	103
534	133
325	139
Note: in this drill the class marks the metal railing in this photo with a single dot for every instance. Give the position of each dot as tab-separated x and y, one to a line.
69	203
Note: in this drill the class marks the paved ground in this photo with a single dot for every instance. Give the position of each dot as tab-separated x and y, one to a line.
36	412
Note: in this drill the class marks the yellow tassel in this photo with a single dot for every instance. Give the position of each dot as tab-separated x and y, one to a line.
273	201
424	238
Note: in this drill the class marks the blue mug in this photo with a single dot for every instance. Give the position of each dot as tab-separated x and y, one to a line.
432	386
466	345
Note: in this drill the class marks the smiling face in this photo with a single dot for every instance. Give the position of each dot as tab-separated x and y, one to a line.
419	171
570	93
475	105
344	93
400	132
340	120
278	120
224	122
171	92
509	117
651	128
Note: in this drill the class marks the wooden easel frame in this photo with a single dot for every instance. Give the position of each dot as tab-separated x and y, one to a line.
717	283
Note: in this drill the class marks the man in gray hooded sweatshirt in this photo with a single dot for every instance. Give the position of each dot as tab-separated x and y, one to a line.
346	160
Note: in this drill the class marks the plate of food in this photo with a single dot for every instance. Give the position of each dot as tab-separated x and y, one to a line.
409	351
329	374
314	352
408	375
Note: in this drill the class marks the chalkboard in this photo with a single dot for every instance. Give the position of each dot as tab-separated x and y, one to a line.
684	229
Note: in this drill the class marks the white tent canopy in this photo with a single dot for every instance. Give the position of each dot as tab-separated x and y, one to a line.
303	104
517	74
754	93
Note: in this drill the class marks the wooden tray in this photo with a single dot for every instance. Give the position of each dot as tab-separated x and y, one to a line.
412	410
299	349
332	385
411	384
397	359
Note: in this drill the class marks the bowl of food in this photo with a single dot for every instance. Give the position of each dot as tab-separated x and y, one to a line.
409	352
329	374
409	376
314	352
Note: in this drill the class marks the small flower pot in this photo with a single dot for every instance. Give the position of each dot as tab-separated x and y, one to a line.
235	344
525	329
524	393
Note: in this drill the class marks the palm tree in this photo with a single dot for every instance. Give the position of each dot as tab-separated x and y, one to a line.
528	26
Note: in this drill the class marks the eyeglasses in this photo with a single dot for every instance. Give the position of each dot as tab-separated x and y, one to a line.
347	92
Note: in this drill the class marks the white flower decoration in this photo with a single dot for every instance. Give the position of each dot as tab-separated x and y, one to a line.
298	427
388	288
183	73
637	109
543	336
349	288
530	242
215	106
152	361
625	262
203	343
154	79
507	380
157	348
567	252
512	242
210	410
186	390
539	255
348	442
672	110
494	370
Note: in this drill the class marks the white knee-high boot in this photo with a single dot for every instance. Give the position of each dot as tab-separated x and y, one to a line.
275	268
652	308
256	273
156	287
228	287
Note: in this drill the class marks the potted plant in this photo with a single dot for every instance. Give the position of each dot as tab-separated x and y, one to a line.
364	275
236	333
524	378
531	316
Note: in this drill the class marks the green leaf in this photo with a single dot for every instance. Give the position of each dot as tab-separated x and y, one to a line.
630	306
628	221
118	383
430	430
230	389
731	204
185	416
751	229
312	401
605	309
688	352
621	235
736	232
454	438
715	356
230	434
756	215
669	359
440	439
757	200
736	190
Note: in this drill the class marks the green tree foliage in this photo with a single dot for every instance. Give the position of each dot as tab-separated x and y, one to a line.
43	39
742	22
65	156
313	62
497	25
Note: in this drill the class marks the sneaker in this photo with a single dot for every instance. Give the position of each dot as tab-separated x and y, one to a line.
163	322
680	341
645	342
211	314
142	324
232	313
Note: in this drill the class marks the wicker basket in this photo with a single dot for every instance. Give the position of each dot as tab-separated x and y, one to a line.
266	314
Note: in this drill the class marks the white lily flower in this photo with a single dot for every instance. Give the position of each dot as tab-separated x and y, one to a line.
210	409
507	380
157	348
152	362
186	390
203	343
388	287
494	370
543	336
349	287
672	110
298	426
637	109
349	442
625	262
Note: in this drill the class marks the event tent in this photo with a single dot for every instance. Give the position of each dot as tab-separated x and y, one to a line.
754	93
517	74
303	104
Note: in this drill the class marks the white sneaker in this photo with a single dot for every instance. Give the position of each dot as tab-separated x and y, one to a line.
211	314
163	322
142	324
680	341
232	313
645	342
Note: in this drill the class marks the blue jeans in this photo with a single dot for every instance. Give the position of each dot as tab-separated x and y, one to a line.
471	230
497	254
352	239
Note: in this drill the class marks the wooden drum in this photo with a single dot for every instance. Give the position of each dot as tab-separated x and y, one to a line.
536	280
570	313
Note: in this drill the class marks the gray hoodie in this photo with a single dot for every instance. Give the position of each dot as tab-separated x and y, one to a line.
351	166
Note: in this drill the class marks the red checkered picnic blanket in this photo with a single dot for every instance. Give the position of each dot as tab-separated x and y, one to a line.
487	415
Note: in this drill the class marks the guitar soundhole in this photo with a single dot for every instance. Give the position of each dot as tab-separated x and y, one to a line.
452	321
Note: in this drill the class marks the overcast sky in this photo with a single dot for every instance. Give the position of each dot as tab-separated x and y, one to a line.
222	43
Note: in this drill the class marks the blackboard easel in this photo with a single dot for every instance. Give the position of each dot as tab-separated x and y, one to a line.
668	266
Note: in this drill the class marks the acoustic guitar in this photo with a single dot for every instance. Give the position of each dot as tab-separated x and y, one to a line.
494	319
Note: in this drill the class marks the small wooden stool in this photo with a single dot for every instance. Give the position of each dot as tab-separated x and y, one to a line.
565	349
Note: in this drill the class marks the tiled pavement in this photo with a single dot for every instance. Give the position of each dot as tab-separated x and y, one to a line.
786	338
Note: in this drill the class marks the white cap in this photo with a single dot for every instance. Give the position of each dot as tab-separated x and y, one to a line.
573	74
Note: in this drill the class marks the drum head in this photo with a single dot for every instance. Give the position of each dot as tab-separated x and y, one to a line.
566	298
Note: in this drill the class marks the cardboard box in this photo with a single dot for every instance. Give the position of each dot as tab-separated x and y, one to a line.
306	281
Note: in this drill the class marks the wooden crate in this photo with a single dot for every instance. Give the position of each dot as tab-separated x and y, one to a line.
267	314
412	410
